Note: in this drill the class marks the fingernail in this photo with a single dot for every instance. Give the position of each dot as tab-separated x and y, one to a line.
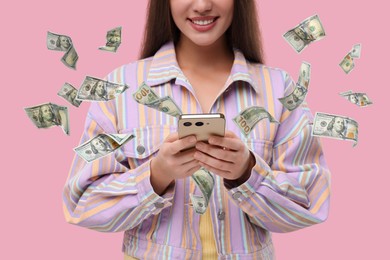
211	140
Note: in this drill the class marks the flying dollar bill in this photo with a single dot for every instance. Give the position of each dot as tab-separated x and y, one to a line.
58	42
146	96
48	115
298	95
94	89
166	105
249	117
70	58
101	145
348	64
69	93
114	39
205	182
359	99
308	31
356	51
335	126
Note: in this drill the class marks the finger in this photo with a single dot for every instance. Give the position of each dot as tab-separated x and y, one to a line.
192	170
185	156
213	162
182	144
216	151
230	134
223	174
171	137
227	142
190	165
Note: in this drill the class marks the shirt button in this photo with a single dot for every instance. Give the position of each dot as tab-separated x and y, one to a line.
237	195
140	149
159	205
221	215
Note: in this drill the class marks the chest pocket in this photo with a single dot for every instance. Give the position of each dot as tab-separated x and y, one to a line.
263	148
146	143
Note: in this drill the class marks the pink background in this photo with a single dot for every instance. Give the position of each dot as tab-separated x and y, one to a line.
35	162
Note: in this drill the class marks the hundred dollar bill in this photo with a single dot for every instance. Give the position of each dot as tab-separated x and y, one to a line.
308	31
359	99
114	39
356	51
295	98
205	182
335	126
166	105
70	58
94	89
146	96
101	145
58	42
69	93
48	115
249	117
348	64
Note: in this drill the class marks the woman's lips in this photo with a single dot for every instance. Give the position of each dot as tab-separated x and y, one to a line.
203	24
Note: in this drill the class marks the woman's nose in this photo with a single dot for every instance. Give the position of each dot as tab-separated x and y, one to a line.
202	6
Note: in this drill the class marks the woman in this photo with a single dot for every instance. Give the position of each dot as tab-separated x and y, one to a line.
206	55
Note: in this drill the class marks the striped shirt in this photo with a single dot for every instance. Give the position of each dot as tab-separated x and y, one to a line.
288	188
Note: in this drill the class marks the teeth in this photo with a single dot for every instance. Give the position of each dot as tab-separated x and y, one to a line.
203	22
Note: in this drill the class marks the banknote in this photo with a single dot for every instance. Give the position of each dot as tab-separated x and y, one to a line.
297	96
69	93
58	42
308	31
70	58
114	39
166	105
205	182
101	145
48	115
359	99
335	126
146	96
348	64
356	51
94	89
249	117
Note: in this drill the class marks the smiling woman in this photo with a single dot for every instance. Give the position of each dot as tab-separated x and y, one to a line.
207	56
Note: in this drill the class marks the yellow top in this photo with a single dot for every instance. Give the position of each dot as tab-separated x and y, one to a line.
209	248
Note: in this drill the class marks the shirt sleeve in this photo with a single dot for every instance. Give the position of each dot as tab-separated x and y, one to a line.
106	195
293	191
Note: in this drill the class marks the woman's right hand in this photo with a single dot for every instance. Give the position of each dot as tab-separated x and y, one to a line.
171	164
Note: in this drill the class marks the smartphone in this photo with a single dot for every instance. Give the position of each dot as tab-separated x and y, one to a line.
201	125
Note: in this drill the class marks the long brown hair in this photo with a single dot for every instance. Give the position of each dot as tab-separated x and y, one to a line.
243	34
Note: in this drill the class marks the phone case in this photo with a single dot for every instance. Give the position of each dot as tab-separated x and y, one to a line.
201	125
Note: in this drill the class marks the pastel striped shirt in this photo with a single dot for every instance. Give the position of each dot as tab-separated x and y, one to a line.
288	188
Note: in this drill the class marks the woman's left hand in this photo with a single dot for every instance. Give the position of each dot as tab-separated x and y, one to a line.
226	156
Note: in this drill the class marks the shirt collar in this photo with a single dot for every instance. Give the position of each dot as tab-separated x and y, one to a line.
164	67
